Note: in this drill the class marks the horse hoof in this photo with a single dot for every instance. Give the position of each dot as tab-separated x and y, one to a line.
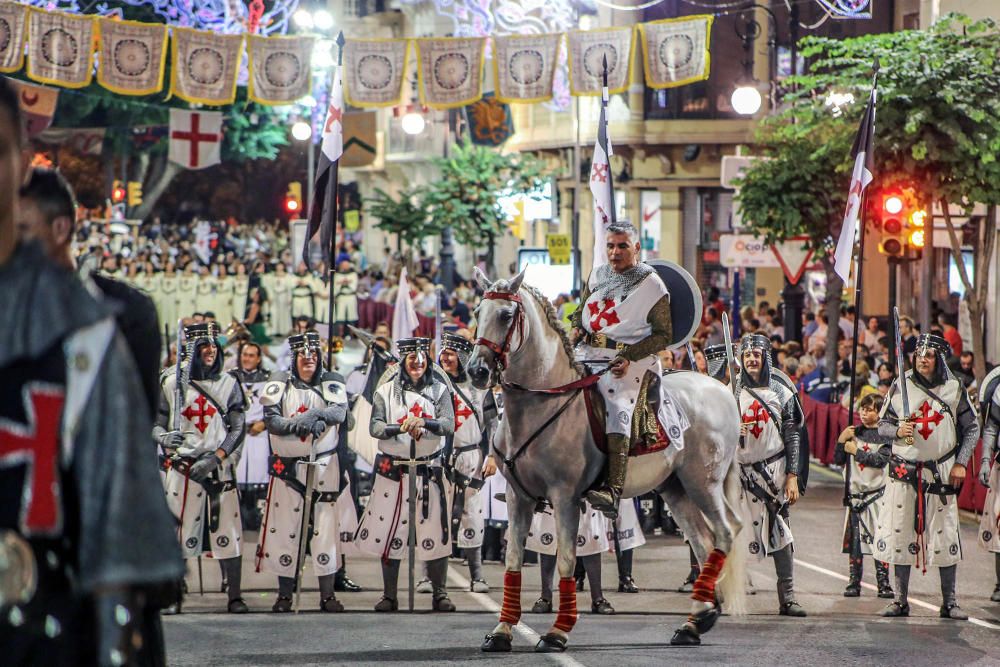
685	636
550	643
705	620
495	643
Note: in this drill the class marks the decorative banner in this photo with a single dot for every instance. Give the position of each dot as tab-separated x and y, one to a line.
38	103
450	70
524	65
490	122
205	66
83	140
586	52
195	138
675	51
359	139
280	69
374	71
60	48
133	56
13	18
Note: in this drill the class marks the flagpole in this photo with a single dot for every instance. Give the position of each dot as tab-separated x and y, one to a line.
863	205
613	213
331	207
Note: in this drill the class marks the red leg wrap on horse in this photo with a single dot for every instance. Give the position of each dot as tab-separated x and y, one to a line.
510	610
704	586
566	618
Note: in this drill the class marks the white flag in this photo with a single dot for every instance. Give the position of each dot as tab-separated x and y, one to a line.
195	138
203	236
404	316
333	129
601	184
864	164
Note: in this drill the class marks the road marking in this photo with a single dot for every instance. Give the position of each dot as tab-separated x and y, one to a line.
913	601
522	628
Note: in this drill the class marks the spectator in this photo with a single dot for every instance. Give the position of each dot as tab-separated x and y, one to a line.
950	333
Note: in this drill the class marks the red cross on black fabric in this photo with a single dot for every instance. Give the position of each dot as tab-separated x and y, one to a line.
757	415
278	466
462	412
928	419
603	311
384	466
900	471
202	415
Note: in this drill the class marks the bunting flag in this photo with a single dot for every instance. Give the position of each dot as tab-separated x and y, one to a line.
524	65
13	19
490	122
360	139
374	71
586	52
280	69
38	103
133	56
60	48
863	174
450	70
204	66
675	51
195	138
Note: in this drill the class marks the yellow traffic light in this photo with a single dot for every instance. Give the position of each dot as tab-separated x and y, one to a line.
918	217
134	193
917	238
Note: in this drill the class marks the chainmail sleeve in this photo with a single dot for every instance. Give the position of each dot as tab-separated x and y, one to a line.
378	428
991	426
443	423
276	424
967	422
576	317
888	422
659	338
790	420
162	423
236	427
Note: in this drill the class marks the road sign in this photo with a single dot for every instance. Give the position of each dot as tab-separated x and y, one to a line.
559	249
793	256
741	250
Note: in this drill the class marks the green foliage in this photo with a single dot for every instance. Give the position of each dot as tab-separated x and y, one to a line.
465	195
937	126
405	216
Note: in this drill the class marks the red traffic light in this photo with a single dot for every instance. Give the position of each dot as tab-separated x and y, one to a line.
118	195
893	204
291	205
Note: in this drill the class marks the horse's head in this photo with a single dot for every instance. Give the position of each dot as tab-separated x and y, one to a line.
499	317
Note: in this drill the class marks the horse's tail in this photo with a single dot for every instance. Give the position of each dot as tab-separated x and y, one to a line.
733	580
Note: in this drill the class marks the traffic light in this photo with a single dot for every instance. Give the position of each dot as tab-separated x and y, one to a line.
902	220
893	242
117	192
134	193
917	233
293	198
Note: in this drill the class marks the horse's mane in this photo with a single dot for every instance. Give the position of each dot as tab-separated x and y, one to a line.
552	317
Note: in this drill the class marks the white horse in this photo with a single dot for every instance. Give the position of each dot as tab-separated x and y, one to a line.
546	451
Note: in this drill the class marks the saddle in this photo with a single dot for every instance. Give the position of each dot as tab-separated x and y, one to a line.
648	435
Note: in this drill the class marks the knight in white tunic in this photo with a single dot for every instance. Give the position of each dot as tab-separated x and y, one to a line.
769	460
934	436
625	320
859	450
200	431
475	413
305	411
411	415
989	473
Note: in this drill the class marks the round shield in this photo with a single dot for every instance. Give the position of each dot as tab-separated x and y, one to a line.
685	300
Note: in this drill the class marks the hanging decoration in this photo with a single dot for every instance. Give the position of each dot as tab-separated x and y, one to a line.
280	72
60	47
204	66
374	71
524	67
587	49
195	138
675	51
132	57
450	70
13	19
490	122
38	104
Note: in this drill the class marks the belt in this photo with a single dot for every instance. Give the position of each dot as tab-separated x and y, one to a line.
428	470
760	467
284	468
912	473
461	483
465	448
603	342
214	487
866	498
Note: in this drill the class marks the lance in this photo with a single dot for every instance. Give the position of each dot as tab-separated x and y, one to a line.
305	528
731	365
613	213
332	201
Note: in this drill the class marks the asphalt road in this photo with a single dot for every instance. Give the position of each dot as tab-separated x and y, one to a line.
839	630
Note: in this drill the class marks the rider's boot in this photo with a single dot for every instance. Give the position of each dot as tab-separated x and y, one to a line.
605	499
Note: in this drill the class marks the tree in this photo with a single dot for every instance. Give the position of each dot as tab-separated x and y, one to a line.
404	216
937	125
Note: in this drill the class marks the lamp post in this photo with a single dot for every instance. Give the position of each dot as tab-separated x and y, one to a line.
302	131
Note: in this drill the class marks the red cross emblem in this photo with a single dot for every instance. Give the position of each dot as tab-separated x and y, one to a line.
757	415
462	412
900	471
603	311
864	448
278	466
302	408
385	466
416	411
195	137
927	417
36	445
202	415
333	114
600	172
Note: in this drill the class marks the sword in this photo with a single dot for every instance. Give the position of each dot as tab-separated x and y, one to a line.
411	534
201	580
731	364
305	530
690	353
903	395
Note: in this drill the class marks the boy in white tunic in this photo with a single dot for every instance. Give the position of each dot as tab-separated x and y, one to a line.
989	526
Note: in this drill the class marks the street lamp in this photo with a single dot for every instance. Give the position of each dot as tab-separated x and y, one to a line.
301	130
413	122
746	100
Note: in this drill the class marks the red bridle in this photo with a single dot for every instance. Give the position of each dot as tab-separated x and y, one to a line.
501	351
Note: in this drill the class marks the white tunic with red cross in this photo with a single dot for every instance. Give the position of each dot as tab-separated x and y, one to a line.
334	523
762	441
934	436
204	427
624	320
866	481
384	527
468	435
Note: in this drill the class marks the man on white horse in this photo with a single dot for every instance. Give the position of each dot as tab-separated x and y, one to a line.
769	459
625	319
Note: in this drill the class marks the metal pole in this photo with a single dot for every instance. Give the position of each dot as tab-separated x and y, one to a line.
893	286
854	341
575	221
331	206
311	173
411	539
